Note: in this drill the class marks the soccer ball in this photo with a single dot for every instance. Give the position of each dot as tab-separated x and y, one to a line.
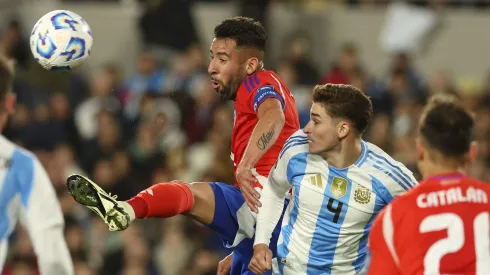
61	40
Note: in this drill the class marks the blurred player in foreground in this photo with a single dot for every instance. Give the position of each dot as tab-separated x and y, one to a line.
339	183
27	195
442	226
265	116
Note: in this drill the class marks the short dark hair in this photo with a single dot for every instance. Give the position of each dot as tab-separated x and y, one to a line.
345	101
6	79
246	32
439	98
447	126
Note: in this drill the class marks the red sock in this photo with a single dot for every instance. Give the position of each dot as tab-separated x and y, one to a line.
162	200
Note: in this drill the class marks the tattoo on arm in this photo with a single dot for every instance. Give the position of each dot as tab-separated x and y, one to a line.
265	139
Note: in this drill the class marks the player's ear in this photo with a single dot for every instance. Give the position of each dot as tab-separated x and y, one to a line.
472	154
252	65
10	101
344	129
419	148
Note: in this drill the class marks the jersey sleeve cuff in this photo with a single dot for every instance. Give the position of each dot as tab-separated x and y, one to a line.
261	240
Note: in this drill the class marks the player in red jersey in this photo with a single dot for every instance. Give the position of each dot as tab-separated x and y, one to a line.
265	116
442	225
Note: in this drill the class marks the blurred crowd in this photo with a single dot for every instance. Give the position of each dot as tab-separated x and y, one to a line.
163	122
354	3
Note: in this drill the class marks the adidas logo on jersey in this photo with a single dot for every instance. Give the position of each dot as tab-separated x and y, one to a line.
316	180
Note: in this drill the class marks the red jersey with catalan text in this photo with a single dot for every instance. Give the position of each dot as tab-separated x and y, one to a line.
442	226
254	91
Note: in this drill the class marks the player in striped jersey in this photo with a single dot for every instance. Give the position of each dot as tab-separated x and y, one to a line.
339	183
265	116
27	195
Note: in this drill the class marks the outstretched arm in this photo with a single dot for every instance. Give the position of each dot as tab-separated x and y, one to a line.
272	200
269	126
42	217
272	205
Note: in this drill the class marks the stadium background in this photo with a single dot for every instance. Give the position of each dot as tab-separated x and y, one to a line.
141	110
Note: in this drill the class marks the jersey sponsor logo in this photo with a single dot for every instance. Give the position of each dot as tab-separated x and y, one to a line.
362	195
316	180
339	187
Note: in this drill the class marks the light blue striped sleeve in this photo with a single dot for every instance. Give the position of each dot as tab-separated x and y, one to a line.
41	215
39	200
274	192
294	145
393	176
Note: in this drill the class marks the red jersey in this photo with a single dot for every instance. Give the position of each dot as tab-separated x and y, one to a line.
439	227
254	91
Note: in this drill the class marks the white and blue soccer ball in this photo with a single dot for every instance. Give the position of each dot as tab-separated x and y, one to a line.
61	40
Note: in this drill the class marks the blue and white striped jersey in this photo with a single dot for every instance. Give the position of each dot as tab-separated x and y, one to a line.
27	195
325	228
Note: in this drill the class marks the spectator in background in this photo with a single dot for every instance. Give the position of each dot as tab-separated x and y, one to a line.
102	98
206	103
441	82
149	78
383	101
305	71
302	93
165	120
186	69
402	68
13	45
61	113
347	64
168	28
43	132
107	141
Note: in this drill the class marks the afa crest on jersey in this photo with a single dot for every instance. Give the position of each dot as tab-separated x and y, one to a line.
362	195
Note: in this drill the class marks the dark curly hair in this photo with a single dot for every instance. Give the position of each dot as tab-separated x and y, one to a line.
246	32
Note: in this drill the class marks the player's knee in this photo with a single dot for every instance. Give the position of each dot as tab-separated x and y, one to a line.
197	188
203	208
200	190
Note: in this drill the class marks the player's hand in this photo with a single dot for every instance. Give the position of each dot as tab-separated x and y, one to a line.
246	181
262	259
224	266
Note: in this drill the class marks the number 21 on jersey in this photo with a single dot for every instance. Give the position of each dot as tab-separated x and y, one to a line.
456	240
